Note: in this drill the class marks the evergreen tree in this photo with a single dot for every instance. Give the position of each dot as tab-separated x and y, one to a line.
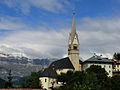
32	81
9	83
116	56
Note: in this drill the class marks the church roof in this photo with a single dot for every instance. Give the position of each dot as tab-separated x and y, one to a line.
63	63
49	72
98	59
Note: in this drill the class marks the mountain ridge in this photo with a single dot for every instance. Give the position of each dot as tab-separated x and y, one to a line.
21	66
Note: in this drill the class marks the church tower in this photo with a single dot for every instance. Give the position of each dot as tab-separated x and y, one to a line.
73	46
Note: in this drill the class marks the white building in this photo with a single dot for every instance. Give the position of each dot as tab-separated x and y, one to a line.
48	78
116	67
98	60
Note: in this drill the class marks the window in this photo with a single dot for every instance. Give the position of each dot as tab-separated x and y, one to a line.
57	82
45	80
109	71
117	65
75	47
109	66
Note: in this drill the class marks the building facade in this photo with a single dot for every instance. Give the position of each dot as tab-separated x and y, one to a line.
116	67
105	63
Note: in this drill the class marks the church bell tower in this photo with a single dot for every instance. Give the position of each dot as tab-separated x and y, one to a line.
73	46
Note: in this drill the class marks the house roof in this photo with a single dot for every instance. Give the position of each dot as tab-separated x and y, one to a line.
63	63
98	59
49	72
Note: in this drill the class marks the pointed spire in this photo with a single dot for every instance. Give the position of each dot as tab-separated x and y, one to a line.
73	23
73	27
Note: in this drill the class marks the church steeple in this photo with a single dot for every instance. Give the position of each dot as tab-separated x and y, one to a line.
73	27
73	45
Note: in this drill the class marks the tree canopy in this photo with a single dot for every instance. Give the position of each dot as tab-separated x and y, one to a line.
2	83
116	56
9	83
32	81
94	78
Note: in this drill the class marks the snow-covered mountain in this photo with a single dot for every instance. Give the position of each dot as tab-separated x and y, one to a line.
24	60
21	65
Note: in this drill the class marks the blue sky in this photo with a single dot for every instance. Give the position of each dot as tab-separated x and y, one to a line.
40	28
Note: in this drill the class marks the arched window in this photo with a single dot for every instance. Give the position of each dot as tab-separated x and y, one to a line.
45	80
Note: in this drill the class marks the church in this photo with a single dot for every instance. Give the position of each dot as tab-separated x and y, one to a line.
71	62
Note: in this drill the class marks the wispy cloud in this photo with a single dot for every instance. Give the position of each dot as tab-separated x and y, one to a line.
10	23
48	5
100	35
